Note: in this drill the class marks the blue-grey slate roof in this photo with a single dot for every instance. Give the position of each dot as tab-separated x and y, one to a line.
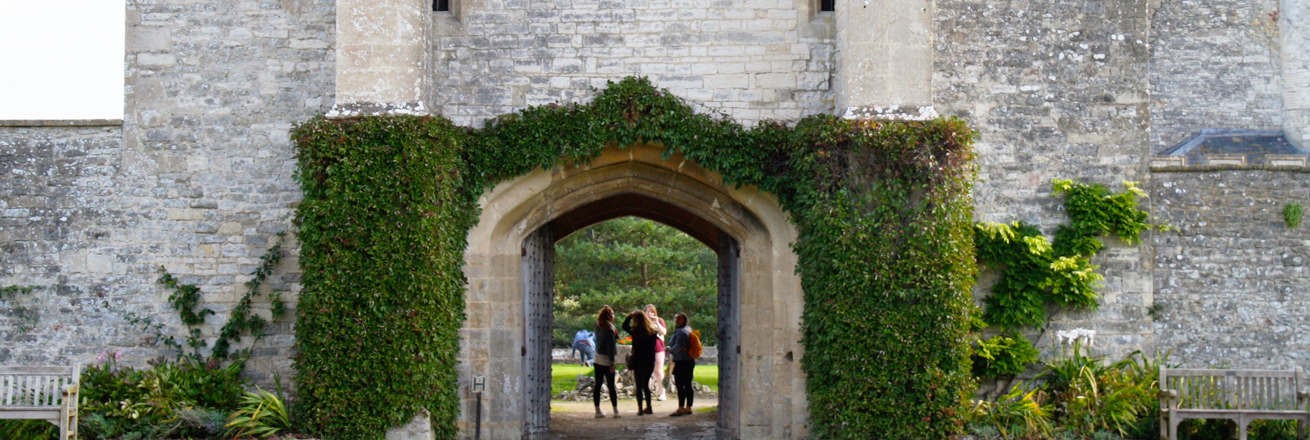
1255	144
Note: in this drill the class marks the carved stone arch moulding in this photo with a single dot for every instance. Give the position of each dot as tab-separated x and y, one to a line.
771	399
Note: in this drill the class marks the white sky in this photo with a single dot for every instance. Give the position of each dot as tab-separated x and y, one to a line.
61	59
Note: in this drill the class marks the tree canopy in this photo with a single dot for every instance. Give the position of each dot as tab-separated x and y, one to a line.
630	262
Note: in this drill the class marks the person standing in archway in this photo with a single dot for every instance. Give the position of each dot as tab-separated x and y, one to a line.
657	376
603	365
643	356
683	364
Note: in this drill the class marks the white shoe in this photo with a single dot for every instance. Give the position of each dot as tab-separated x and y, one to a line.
661	398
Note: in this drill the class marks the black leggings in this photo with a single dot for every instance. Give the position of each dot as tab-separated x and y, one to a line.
606	372
641	374
682	380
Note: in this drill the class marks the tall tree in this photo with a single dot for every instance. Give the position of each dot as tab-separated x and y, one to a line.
630	262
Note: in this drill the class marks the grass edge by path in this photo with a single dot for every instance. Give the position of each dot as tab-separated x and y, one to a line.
565	376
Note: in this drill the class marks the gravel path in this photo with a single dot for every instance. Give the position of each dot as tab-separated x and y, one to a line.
577	421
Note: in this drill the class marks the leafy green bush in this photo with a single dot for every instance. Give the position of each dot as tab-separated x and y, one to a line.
261	414
1094	397
1003	355
148	403
1036	274
1018	414
28	430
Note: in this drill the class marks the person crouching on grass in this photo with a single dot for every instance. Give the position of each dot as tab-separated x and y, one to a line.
683	364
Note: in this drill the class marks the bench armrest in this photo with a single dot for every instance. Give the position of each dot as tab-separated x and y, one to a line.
1168	399
1301	396
70	389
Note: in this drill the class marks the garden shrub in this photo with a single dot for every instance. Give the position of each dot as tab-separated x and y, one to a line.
1036	275
886	251
1019	414
172	399
1003	355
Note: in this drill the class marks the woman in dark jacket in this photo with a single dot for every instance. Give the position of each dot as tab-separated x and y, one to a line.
638	325
606	337
683	365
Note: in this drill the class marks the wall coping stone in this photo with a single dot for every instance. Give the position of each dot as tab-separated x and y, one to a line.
1208	168
60	122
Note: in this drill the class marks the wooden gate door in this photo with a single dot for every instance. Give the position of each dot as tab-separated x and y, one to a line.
538	258
729	336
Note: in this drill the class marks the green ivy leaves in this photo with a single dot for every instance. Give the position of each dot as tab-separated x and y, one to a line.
382	228
886	253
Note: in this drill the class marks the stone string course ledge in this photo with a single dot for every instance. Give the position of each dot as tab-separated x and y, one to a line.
60	122
892	113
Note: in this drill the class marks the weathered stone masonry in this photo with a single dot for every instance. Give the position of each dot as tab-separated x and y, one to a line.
1232	284
197	177
1056	90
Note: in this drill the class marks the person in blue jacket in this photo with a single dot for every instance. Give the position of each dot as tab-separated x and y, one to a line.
584	344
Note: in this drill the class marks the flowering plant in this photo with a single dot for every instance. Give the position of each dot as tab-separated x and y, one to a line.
626	341
111	357
1075	336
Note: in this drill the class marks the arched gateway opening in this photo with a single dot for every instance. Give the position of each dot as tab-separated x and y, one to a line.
538	263
506	337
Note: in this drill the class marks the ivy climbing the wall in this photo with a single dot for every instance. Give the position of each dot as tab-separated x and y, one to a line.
886	251
1036	273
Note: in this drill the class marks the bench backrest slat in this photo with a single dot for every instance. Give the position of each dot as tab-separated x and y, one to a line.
31	390
36	371
1230	373
1234	389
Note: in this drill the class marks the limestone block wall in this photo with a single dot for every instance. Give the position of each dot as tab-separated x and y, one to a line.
53	187
1231	282
1214	64
1056	90
198	178
752	59
1294	28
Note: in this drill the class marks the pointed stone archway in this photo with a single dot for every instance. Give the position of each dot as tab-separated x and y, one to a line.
508	265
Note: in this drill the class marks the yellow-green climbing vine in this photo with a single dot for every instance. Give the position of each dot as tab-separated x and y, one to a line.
1035	273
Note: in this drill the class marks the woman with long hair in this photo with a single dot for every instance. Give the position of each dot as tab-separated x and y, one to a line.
606	339
657	377
638	325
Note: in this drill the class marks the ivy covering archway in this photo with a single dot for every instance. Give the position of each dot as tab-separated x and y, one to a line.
886	253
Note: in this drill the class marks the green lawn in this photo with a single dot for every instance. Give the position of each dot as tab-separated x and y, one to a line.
565	376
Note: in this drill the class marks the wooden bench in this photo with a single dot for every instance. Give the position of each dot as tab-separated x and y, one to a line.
41	393
1237	395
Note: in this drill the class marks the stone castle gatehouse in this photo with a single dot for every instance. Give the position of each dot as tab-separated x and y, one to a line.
1207	103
